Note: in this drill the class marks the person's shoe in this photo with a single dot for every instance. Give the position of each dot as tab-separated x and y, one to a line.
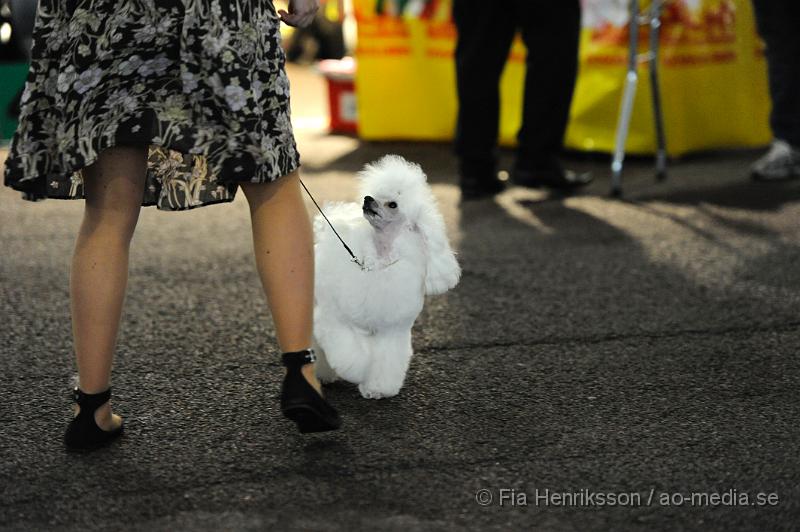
781	162
553	176
300	401
478	179
83	434
474	187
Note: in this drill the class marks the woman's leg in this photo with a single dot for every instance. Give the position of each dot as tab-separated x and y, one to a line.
283	242
113	186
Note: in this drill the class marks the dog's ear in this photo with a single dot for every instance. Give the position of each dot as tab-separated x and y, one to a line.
442	271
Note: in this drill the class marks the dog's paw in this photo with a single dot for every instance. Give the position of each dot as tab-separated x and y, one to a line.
367	393
372	392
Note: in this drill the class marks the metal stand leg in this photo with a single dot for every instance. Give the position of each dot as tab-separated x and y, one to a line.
653	18
626	107
661	153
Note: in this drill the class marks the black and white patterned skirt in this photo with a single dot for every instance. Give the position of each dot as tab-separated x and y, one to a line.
200	82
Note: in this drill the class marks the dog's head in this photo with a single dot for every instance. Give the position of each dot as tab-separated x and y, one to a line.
395	193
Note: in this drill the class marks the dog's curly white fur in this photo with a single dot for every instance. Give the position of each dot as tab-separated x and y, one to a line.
363	317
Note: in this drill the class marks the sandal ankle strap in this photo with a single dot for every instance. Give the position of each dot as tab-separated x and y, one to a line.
90	401
296	359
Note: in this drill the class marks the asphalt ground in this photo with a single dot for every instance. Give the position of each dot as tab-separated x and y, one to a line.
642	349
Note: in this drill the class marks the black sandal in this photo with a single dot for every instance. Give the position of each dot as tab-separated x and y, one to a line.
83	434
300	401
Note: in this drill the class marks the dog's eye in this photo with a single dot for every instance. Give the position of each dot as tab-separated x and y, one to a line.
392	205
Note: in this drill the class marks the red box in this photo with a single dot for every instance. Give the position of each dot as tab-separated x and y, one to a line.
343	111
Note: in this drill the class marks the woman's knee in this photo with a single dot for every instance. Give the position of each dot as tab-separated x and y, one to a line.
114	189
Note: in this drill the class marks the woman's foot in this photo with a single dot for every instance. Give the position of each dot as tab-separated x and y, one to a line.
103	416
94	425
309	372
301	395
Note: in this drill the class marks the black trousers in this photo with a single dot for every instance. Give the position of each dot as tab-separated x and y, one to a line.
779	25
550	30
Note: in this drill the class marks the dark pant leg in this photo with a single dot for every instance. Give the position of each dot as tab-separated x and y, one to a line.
551	31
779	26
485	32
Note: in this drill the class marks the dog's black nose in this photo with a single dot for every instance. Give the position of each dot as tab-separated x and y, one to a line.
368	200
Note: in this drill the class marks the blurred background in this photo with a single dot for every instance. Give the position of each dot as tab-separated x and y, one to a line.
359	55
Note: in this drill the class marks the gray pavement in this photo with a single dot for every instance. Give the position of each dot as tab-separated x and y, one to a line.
642	346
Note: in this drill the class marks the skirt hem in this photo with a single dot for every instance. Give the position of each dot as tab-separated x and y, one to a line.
37	189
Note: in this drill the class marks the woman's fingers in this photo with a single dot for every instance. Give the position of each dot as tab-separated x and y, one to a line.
301	15
287	18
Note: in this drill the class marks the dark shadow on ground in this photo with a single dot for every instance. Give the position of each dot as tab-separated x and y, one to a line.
757	196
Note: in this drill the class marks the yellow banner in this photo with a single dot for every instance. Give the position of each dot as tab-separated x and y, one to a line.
713	76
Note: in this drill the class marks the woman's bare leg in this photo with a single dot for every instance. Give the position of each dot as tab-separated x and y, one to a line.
113	186
283	242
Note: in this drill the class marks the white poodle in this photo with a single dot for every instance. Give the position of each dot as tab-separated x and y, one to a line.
363	315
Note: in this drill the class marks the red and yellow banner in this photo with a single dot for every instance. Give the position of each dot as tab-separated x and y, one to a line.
712	67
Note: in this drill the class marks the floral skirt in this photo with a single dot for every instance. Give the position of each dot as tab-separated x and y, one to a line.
199	82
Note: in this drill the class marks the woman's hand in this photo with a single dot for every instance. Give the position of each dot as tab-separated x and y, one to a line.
300	14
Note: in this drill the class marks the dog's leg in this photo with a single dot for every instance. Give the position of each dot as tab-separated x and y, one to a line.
341	346
391	356
344	352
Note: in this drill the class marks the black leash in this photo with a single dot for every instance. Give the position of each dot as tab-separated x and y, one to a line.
361	265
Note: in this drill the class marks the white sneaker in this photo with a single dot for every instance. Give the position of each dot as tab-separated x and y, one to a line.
781	162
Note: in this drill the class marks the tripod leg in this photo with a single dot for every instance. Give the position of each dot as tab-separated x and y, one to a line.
626	106
661	152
